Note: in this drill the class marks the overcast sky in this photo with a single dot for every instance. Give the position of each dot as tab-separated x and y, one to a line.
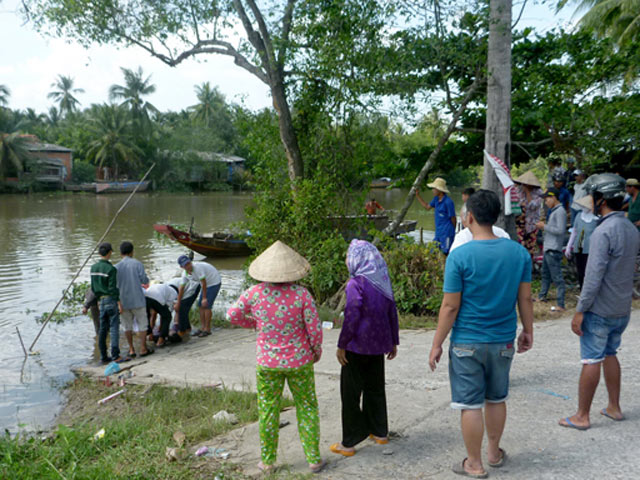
30	63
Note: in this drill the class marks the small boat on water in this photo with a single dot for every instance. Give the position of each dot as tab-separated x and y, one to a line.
215	244
108	187
382	182
350	226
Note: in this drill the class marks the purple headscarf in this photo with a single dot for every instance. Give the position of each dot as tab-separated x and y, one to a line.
364	260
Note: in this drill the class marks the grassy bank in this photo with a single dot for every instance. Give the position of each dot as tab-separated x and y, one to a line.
139	427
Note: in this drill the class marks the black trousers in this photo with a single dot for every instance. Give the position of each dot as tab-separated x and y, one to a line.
165	315
364	403
581	265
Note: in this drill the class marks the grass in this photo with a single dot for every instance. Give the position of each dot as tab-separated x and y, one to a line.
139	427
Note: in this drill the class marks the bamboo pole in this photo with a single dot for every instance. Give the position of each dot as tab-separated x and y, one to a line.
22	343
113	221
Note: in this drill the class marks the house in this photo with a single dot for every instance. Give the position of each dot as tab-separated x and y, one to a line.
53	162
201	172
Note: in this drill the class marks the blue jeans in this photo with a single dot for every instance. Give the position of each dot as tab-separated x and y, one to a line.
479	372
601	337
552	271
109	322
212	293
185	307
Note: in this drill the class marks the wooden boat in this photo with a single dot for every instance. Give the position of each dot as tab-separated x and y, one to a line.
108	187
348	225
382	182
210	245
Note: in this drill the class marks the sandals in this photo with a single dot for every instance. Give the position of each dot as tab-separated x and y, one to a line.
500	462
266	469
149	352
458	468
317	467
339	449
379	440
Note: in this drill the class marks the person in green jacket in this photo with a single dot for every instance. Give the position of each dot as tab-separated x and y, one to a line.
634	204
105	288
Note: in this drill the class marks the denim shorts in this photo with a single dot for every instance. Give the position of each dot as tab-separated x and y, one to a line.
601	337
479	372
212	293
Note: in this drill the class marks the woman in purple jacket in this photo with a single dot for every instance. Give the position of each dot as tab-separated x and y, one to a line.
369	331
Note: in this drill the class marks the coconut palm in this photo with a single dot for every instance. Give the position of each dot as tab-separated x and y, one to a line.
616	19
34	118
5	93
13	153
53	118
112	143
135	87
63	94
211	104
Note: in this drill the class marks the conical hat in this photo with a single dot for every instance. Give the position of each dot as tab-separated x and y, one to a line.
279	264
439	184
528	178
586	202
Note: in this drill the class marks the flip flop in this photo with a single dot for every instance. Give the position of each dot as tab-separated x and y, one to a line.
458	468
122	360
500	462
379	440
606	414
266	469
318	467
132	355
335	448
570	424
149	352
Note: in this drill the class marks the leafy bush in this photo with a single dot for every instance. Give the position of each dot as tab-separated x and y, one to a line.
83	172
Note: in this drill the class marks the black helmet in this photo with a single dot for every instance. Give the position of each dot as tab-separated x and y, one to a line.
558	176
606	185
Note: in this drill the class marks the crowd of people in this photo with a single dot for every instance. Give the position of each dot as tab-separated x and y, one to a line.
122	292
487	276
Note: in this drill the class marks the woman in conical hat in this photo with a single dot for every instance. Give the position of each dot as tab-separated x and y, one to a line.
289	343
369	332
445	213
530	195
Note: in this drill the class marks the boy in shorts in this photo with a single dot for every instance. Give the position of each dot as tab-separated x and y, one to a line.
484	279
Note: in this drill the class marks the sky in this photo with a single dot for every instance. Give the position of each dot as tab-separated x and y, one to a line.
30	63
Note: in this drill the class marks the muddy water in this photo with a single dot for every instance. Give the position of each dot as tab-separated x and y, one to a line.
45	238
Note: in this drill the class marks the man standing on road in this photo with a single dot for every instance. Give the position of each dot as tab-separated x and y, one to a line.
604	308
210	281
104	285
131	277
484	279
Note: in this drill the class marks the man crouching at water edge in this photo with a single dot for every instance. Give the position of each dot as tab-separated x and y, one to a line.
105	286
210	280
483	281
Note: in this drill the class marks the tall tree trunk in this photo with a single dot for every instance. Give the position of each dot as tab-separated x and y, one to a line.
497	140
288	134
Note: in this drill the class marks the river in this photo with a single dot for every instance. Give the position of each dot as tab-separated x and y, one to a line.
46	238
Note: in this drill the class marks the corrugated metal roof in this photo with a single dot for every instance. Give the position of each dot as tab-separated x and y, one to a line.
46	147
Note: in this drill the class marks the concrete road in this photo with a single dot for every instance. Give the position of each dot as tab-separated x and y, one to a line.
543	389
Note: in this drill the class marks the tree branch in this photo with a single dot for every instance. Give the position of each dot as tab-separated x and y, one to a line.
286	30
254	37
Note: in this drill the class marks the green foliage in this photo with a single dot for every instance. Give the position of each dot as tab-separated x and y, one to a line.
63	94
71	305
83	172
417	276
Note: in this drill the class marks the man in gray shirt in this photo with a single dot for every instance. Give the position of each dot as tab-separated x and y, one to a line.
554	232
131	277
604	308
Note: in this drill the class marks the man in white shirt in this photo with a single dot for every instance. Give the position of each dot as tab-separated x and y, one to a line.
160	298
210	282
465	235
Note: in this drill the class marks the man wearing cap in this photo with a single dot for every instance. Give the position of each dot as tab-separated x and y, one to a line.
554	169
604	308
209	279
634	204
555	230
579	192
131	277
104	285
445	213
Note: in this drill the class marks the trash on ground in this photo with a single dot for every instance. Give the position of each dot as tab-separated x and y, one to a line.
213	385
224	416
173	454
327	325
387	451
99	434
112	368
179	438
113	395
202	451
284	423
554	394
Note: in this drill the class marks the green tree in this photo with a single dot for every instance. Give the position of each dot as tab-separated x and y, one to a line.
615	19
112	143
211	102
135	87
5	93
13	151
63	94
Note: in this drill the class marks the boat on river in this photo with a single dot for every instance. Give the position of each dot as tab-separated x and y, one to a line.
216	244
108	187
382	182
358	226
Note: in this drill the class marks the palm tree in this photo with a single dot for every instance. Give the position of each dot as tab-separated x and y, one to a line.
212	102
135	87
63	95
34	118
616	19
112	144
5	93
54	117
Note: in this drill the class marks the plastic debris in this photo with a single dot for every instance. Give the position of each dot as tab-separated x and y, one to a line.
554	394
202	451
112	368
173	454
387	451
99	434
327	325
224	416
284	423
113	395
179	438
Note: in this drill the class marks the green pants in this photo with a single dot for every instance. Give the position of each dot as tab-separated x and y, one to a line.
301	381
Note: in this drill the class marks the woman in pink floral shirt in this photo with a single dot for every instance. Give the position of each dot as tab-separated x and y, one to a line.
289	343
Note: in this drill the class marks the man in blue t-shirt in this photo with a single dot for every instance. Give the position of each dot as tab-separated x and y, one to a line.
484	279
445	213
